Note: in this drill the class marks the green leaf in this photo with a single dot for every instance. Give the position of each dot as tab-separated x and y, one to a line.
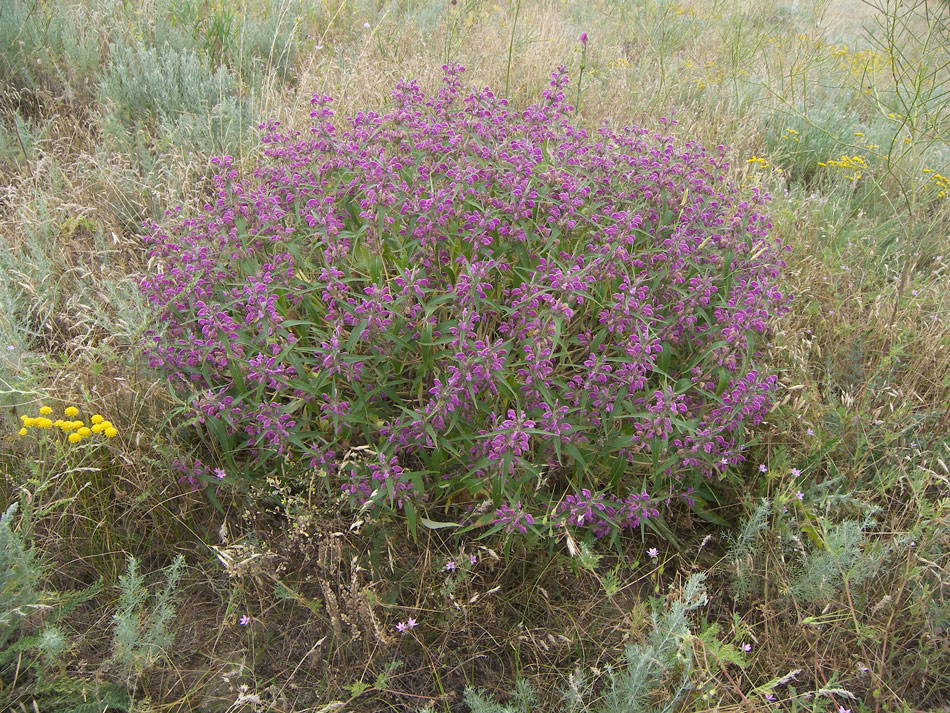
435	525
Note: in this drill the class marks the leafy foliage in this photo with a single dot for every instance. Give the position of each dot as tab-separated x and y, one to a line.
457	301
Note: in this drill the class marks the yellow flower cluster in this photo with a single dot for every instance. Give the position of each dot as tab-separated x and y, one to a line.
861	63
77	430
940	182
848	163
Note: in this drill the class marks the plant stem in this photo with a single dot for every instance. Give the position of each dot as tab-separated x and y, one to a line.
511	45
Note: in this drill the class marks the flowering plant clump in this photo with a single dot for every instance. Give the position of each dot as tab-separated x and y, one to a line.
75	430
450	301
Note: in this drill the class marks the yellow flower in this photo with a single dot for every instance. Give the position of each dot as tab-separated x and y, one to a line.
72	412
46	410
78	424
74	438
22	432
84	432
67	426
97	419
97	427
43	423
106	425
111	433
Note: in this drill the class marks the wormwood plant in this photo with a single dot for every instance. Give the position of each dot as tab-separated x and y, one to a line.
654	676
33	637
454	302
175	94
142	634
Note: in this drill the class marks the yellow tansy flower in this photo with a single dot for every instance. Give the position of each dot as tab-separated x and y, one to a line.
46	410
97	427
111	433
72	412
97	419
28	421
74	438
22	431
84	432
43	423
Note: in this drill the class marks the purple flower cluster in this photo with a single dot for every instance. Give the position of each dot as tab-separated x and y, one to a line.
603	516
491	300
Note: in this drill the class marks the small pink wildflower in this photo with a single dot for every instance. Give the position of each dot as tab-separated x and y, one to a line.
653	552
796	472
583	38
473	559
244	620
800	495
401	627
450	565
810	432
763	468
219	473
747	647
411	623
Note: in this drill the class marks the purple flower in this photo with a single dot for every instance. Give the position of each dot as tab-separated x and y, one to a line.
796	472
653	552
800	495
401	627
450	565
747	647
244	620
219	473
583	38
410	622
472	559
763	468
514	519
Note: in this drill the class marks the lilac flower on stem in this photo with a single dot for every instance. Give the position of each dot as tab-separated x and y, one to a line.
515	519
244	620
653	552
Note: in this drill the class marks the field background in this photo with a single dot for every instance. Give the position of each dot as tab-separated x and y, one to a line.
827	575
